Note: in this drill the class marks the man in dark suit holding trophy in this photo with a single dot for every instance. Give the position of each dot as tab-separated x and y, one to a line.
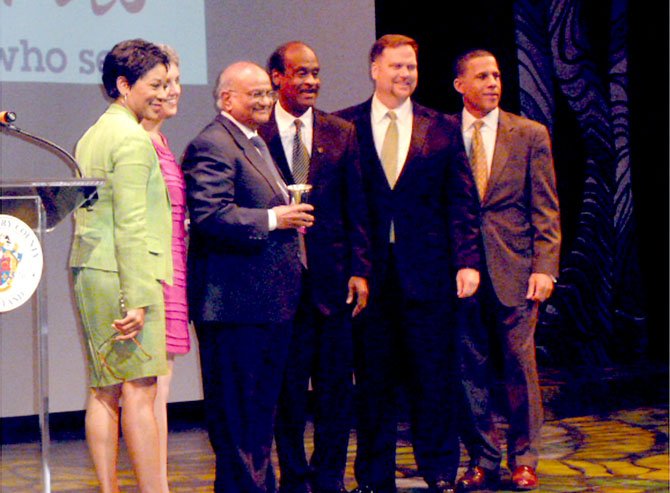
317	149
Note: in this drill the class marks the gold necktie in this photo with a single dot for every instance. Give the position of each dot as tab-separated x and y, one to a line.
478	159
389	155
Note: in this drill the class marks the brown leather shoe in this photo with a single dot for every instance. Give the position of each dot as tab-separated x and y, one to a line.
477	478
524	478
441	486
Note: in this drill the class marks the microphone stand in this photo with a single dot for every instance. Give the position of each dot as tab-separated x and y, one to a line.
50	145
41	298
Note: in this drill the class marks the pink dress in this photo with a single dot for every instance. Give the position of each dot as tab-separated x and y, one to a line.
176	307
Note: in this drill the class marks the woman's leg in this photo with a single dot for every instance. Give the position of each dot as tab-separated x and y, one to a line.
141	433
160	410
102	434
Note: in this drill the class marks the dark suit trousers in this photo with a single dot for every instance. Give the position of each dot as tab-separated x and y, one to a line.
242	367
321	348
498	353
404	341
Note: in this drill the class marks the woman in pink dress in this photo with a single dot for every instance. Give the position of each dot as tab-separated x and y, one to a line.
176	308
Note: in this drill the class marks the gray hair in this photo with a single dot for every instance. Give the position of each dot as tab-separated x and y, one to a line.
170	52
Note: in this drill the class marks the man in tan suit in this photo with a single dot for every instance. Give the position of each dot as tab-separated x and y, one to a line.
512	165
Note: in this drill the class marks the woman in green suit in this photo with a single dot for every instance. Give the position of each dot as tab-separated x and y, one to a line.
120	255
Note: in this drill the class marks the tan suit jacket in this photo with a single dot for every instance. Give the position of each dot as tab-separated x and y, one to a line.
520	223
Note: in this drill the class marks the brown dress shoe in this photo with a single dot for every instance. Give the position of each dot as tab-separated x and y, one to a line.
476	478
441	486
524	478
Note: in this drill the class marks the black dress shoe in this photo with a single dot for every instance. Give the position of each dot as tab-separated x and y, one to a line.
295	487
364	488
441	487
477	478
337	489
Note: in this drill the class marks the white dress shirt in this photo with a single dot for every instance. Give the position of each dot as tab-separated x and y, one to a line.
380	122
489	131
286	126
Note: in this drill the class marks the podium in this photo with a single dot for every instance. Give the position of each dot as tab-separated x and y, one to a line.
42	205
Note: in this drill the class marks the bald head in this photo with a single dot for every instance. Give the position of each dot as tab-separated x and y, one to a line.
244	91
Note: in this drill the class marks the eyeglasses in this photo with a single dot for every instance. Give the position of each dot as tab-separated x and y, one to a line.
258	95
108	344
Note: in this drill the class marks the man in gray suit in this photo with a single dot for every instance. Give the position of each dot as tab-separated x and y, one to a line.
513	168
244	276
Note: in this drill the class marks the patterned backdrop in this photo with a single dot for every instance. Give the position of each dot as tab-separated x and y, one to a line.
569	64
559	59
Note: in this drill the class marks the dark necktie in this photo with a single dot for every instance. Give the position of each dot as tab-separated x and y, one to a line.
300	156
478	159
262	148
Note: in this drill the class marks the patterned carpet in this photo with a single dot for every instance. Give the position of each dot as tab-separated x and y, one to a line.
624	451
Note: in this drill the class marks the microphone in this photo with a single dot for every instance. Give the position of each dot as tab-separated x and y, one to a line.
7	117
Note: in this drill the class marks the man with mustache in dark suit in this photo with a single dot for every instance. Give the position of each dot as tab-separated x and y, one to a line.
313	147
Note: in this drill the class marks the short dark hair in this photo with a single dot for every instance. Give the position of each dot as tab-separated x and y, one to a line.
392	41
130	59
463	59
277	61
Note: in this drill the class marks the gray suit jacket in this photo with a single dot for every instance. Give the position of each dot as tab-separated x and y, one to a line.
239	271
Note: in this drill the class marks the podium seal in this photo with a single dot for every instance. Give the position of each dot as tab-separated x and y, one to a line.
21	262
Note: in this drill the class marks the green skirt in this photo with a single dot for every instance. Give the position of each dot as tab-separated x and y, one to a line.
112	362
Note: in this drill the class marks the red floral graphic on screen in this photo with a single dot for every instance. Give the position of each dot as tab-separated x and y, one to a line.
100	7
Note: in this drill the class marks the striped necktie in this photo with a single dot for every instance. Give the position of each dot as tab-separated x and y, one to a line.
300	156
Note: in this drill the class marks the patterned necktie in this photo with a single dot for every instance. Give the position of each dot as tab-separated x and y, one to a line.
389	155
300	156
260	145
478	159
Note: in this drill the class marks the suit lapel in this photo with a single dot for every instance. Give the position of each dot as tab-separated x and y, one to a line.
367	141
420	125
277	149
251	153
501	151
320	142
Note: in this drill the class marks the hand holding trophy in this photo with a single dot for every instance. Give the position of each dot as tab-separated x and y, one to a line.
300	195
297	215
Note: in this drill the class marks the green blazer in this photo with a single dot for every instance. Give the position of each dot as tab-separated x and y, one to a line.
128	229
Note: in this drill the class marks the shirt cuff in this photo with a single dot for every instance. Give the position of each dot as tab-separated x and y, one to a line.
272	220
